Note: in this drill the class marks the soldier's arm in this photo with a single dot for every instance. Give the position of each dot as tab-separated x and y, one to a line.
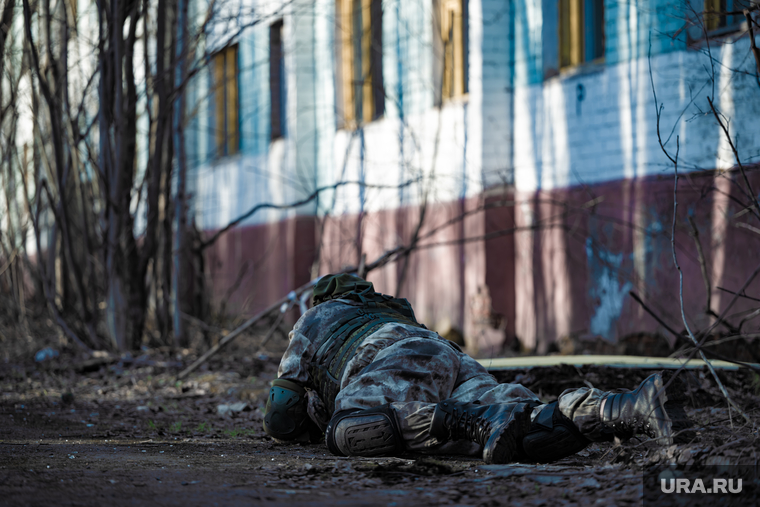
294	365
286	416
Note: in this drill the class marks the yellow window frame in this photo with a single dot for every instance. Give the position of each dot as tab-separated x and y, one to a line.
225	65
356	79
452	21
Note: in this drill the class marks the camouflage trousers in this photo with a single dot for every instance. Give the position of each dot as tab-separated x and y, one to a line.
416	373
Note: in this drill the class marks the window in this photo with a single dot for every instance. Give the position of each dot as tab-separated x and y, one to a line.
581	31
277	80
715	16
226	98
451	66
360	46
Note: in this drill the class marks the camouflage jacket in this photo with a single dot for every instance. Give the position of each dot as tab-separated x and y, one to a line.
299	361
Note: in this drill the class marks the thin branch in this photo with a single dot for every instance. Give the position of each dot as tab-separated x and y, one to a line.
737	294
657	107
721	357
752	44
296	204
493	235
749	190
292	296
734	13
655	316
276	324
703	268
748	227
680	292
748	318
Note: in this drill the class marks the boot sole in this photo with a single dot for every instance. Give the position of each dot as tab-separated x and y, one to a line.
502	447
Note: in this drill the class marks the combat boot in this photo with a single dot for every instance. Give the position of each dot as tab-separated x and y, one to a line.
498	428
639	411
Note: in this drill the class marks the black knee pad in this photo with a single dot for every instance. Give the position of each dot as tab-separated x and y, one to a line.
552	436
286	416
370	432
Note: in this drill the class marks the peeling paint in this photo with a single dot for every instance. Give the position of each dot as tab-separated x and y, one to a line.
605	291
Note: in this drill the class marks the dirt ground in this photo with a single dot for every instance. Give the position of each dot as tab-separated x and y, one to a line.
122	431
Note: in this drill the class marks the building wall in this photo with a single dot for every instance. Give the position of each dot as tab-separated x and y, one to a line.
605	147
566	191
574	274
416	153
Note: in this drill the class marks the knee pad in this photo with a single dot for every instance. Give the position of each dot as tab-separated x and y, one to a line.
369	432
552	436
285	417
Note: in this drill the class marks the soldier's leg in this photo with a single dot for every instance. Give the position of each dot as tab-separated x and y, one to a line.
578	417
412	384
375	409
585	415
601	415
551	435
391	405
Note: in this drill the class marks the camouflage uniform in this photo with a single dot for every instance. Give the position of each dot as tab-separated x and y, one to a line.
413	369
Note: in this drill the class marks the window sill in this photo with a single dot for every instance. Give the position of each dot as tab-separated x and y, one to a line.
722	34
580	70
226	159
458	99
353	125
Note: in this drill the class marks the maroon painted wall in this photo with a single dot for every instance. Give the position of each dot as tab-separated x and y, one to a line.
598	242
537	267
250	267
454	278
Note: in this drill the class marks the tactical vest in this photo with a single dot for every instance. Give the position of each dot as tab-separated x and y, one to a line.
337	346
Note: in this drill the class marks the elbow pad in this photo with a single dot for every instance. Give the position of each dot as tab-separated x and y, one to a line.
286	415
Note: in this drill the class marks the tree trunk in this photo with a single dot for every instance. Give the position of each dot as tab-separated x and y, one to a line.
179	292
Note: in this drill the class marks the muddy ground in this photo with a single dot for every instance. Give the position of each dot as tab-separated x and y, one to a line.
122	431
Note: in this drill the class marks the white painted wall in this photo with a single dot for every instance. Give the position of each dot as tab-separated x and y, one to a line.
441	150
612	133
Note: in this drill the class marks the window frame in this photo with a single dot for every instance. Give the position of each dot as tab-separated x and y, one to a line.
359	53
451	49
226	112
699	31
576	19
277	76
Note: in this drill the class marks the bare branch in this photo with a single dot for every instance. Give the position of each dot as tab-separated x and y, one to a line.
702	266
749	191
680	293
751	29
654	315
737	294
296	204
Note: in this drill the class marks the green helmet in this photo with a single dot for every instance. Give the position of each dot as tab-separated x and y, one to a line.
333	286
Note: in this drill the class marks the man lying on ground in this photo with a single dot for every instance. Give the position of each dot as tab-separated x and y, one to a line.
360	368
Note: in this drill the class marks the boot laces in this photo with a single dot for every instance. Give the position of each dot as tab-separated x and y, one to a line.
634	425
638	422
468	426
